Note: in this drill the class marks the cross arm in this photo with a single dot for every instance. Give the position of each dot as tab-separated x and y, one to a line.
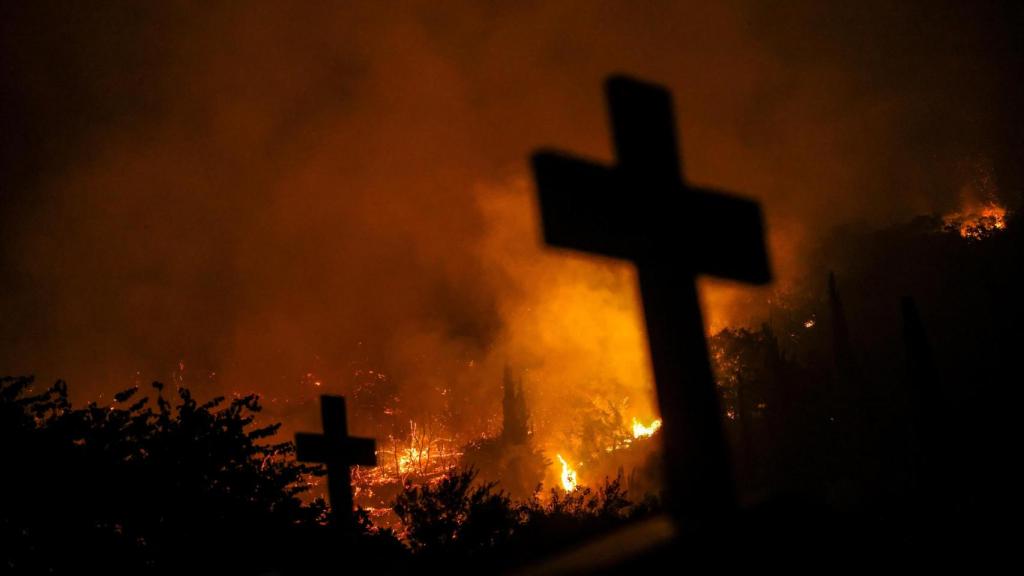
581	206
362	452
728	237
311	447
351	451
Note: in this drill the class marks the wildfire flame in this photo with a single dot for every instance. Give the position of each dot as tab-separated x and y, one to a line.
978	221
641	431
568	475
422	454
411	459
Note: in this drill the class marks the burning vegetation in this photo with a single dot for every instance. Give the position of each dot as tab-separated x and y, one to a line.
815	402
593	437
597	440
977	222
568	476
980	214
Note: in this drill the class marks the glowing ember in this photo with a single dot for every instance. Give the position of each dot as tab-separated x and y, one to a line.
568	475
641	431
809	323
978	221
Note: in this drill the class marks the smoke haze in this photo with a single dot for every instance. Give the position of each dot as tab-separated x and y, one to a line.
257	197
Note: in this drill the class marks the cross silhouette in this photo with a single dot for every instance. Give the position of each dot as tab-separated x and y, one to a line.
338	451
642	210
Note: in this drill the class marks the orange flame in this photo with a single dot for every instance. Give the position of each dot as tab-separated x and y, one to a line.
978	221
568	475
641	431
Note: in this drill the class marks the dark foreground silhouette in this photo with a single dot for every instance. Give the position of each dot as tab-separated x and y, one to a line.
874	418
182	488
189	487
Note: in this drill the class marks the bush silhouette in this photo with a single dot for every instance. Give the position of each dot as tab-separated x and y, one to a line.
131	487
461	518
454	517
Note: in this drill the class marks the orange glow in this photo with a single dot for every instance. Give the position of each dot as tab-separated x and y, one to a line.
976	222
423	455
641	431
568	475
980	214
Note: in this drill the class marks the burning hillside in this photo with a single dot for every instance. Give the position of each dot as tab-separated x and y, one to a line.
585	448
272	204
563	421
979	221
981	213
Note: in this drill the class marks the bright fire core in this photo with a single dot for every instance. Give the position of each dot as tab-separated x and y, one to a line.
568	475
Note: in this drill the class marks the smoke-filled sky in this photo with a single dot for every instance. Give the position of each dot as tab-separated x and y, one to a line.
266	190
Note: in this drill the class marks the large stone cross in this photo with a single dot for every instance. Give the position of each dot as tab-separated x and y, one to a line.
641	209
338	451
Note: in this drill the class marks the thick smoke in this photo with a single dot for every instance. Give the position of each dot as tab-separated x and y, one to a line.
261	197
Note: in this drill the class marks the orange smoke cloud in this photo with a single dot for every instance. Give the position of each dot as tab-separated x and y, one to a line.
237	198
